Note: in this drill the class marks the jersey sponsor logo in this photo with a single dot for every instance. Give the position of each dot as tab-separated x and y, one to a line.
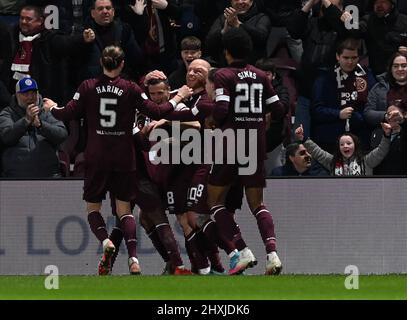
110	133
248	119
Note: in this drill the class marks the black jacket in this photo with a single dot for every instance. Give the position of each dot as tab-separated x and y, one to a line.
278	10
256	24
319	41
140	26
383	35
278	130
395	161
117	33
49	64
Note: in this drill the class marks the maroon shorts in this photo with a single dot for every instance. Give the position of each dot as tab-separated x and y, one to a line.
228	174
97	183
147	195
197	196
187	191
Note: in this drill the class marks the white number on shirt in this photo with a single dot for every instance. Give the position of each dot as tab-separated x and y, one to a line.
249	93
110	122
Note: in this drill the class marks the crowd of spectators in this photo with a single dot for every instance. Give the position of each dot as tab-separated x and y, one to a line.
336	69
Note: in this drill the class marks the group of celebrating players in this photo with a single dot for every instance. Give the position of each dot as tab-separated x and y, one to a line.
203	196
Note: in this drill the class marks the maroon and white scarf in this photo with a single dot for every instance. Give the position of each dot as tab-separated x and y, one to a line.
352	87
22	60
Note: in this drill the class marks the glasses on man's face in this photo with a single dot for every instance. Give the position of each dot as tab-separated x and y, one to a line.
401	65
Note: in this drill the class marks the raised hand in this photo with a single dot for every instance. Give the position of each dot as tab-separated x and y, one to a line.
138	7
31	112
185	92
47	104
155	74
346	16
386	128
231	17
159	4
88	35
299	133
394	117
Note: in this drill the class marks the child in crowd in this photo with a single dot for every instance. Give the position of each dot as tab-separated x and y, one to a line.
348	159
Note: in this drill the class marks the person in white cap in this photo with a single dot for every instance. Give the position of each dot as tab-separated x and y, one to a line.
30	137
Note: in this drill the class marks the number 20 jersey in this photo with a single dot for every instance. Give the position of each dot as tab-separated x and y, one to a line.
244	95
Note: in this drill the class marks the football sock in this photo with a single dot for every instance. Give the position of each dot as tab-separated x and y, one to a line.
211	251
198	261
227	226
128	225
240	244
170	245
155	239
214	235
97	225
266	227
116	236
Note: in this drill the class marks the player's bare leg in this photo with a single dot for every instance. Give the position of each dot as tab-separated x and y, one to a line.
265	224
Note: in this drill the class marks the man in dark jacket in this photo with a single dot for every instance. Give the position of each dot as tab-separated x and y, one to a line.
241	14
299	163
319	40
41	53
383	29
30	137
107	31
278	131
152	26
339	98
279	12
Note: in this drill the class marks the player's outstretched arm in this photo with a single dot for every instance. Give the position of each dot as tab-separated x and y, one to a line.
48	104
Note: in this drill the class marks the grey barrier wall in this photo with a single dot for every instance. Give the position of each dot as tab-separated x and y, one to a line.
322	226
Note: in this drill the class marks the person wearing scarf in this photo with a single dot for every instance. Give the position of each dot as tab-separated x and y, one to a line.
339	97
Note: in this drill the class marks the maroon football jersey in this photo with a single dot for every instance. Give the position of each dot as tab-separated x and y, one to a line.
196	108
244	95
109	106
